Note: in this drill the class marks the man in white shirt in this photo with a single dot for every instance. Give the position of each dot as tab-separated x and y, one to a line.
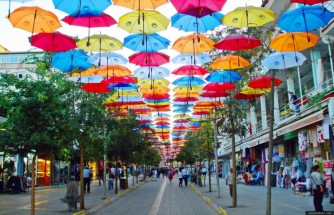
317	181
87	174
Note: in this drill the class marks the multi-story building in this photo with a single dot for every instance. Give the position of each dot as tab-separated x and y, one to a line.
299	139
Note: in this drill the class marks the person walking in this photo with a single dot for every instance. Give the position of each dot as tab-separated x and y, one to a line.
87	174
111	179
229	180
317	187
294	101
180	176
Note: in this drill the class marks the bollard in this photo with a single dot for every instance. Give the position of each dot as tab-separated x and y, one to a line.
221	211
208	200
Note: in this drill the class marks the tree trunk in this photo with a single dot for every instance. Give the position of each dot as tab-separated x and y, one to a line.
82	190
32	209
209	161
216	154
234	189
271	143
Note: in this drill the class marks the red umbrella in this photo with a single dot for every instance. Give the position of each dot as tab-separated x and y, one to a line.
198	8
263	82
190	70
237	42
53	42
190	99
245	96
162	123
213	94
308	2
96	87
215	86
156	96
149	58
201	113
103	20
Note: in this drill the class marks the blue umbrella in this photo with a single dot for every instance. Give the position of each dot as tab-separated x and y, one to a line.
182	110
183	104
305	19
162	115
122	86
162	126
87	79
224	76
153	72
67	61
82	7
283	60
156	100
146	42
107	58
190	23
190	59
188	81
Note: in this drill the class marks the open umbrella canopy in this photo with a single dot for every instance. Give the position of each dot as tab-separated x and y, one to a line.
53	42
184	95
230	62
251	91
82	7
107	58
248	16
283	60
88	72
87	79
237	42
153	83
149	59
154	90
263	82
186	89
188	81
123	86
151	72
193	44
293	42
99	42
189	23
305	19
146	42
198	8
114	70
155	97
190	70
67	61
140	4
3	49
117	79
34	20
96	87
191	59
143	21
214	94
216	86
91	21
242	96
224	76
309	2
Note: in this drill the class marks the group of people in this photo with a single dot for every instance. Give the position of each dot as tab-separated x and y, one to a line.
183	175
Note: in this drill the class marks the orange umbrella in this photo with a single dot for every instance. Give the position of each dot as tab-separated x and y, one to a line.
114	70
34	20
293	42
193	44
154	90
230	62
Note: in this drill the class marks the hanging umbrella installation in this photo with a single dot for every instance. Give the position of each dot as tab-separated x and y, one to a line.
224	76
263	82
82	7
191	59
198	8
230	62
193	44
67	61
53	42
190	70
107	58
237	42
149	59
146	42
155	72
140	4
100	43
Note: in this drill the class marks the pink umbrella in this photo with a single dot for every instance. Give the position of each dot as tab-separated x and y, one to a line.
190	70
53	42
149	58
103	20
215	86
214	94
198	8
119	79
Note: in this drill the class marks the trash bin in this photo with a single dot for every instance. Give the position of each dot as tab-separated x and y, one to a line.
123	183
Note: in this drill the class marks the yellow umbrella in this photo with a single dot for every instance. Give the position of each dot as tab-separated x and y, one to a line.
154	90
143	21
249	16
114	70
153	83
3	49
183	89
294	41
99	42
229	62
34	20
182	116
140	4
185	95
125	93
193	44
252	91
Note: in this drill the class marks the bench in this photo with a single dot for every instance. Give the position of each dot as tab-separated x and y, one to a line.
72	195
71	202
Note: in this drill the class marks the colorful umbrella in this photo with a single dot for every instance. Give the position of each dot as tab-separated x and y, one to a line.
198	8
185	89
80	8
190	59
190	23
143	21
151	72
67	61
153	83
53	42
122	79
283	60
215	86
107	58
188	81
88	72
214	94
114	70
246	96
99	43
249	16
224	76
293	42
183	95
305	19
251	91
190	70
193	44
149	59
237	42
34	20
146	42
263	82
308	2
96	87
155	97
154	90
90	21
87	79
187	99
140	4
3	49
123	86
229	62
